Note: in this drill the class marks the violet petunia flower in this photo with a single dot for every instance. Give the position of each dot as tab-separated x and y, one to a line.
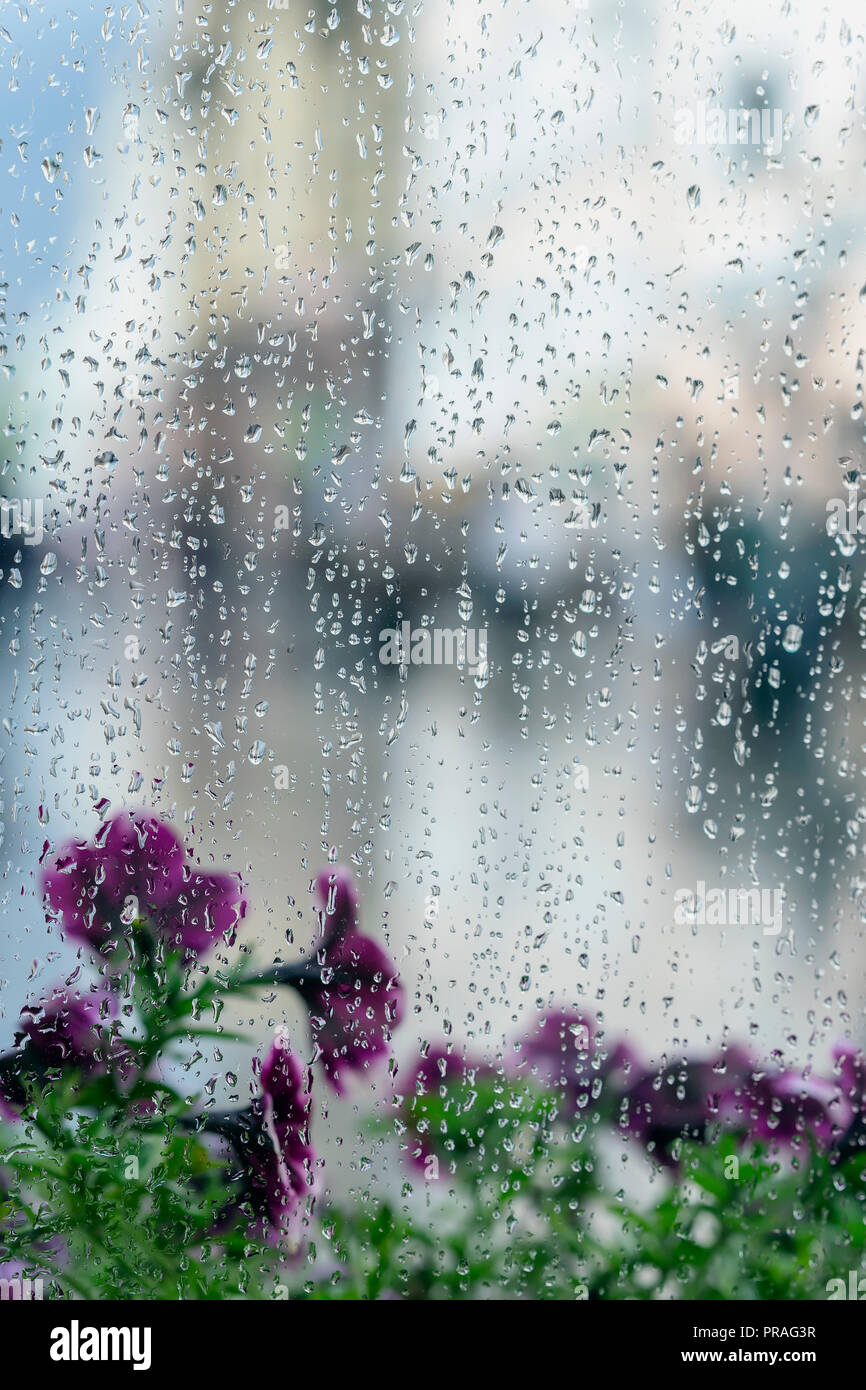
566	1053
438	1067
682	1100
67	1030
783	1107
208	907
850	1068
685	1100
447	1079
352	993
272	1141
12	1092
135	870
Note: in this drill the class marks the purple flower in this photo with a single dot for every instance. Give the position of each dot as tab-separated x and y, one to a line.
354	997
850	1068
67	1030
680	1101
443	1080
782	1107
272	1140
565	1052
208	906
12	1093
135	870
439	1066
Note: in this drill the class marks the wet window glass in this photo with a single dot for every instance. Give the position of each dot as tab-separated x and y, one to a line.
431	603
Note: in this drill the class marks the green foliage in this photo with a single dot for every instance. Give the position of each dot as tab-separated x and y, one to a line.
484	1187
107	1187
525	1207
